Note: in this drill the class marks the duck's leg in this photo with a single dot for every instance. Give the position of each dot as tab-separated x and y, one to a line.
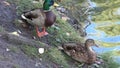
41	34
44	31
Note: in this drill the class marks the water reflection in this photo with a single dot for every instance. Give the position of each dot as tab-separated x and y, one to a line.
117	12
103	49
103	37
113	42
100	35
117	59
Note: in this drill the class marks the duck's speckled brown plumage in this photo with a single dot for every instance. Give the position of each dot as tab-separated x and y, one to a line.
81	52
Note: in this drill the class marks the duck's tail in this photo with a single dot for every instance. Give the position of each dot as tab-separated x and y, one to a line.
22	16
26	22
26	19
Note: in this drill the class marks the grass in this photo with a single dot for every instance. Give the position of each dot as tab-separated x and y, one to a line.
109	61
58	57
65	33
51	55
25	5
30	51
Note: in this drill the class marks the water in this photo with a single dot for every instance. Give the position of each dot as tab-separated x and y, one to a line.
101	36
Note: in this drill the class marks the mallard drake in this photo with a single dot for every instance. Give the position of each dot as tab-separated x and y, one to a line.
81	52
39	18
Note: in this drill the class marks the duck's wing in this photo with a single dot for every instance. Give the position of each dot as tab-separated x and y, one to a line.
80	48
31	14
35	17
69	46
75	51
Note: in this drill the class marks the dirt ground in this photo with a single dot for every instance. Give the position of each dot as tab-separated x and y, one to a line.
7	15
11	55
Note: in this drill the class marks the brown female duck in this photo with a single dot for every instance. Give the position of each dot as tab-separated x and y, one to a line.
81	52
39	18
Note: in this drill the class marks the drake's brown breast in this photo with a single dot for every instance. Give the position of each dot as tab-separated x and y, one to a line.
50	18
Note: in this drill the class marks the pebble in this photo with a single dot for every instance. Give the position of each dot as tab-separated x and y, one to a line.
41	50
7	49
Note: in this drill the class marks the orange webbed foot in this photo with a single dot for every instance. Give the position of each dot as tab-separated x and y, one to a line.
41	34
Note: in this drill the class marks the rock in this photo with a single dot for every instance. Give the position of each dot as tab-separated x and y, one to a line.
41	50
7	49
37	64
